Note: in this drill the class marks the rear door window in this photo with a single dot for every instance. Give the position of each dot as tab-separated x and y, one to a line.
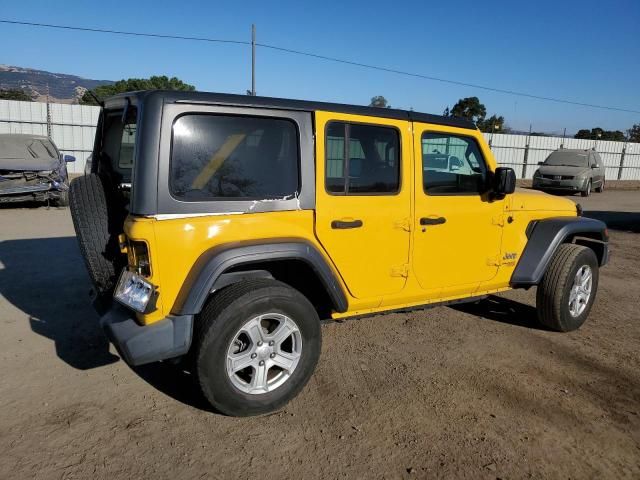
362	159
219	157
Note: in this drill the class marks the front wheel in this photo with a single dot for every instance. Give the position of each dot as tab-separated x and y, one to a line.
568	288
256	345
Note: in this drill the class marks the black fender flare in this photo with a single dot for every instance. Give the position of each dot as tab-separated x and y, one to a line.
544	239
212	264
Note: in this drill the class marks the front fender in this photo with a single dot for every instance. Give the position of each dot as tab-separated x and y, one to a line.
545	238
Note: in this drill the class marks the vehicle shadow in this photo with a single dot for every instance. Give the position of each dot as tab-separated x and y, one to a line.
46	279
626	221
176	382
503	310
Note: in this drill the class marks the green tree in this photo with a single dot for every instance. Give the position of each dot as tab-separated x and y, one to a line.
15	94
379	101
132	84
492	124
583	133
615	135
469	108
600	134
634	133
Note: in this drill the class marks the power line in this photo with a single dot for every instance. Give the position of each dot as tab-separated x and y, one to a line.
121	32
326	58
444	80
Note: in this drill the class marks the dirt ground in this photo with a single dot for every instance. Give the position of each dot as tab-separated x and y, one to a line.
476	391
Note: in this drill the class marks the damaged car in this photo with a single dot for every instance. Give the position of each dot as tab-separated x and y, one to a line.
33	169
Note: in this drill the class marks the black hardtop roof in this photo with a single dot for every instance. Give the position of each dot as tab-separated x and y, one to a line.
174	96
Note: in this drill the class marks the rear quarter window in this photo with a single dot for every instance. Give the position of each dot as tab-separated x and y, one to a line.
218	157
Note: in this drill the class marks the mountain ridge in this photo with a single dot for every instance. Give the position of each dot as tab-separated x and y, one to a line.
62	87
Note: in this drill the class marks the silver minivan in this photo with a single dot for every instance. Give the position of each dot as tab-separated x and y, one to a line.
571	170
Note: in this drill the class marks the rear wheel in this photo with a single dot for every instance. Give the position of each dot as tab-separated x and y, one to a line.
256	345
568	289
587	191
600	189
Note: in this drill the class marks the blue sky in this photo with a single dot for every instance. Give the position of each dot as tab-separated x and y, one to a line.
586	51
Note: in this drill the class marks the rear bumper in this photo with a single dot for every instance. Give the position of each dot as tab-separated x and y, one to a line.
139	344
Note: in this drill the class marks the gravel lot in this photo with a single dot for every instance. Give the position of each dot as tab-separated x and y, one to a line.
477	391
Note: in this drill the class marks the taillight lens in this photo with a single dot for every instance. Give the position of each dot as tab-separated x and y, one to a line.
133	291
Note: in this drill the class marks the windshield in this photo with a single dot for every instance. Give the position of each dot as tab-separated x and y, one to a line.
568	159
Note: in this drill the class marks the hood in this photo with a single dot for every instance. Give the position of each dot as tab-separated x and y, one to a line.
562	170
27	153
532	200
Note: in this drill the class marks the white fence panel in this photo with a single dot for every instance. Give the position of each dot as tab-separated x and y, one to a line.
631	168
73	127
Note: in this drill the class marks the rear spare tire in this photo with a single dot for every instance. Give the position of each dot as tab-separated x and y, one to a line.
97	218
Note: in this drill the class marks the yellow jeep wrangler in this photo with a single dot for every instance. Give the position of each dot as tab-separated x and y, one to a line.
226	228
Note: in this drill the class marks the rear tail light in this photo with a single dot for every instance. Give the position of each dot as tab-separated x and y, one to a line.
133	291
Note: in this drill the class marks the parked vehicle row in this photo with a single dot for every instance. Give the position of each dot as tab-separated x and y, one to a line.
32	169
571	170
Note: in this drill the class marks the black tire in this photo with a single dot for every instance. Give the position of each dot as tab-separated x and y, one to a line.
587	191
97	221
217	327
600	189
552	298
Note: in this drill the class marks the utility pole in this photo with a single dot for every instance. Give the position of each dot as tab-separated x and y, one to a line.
48	113
253	60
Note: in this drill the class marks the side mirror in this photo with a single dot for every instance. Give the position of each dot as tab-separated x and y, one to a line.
594	166
504	181
540	163
69	158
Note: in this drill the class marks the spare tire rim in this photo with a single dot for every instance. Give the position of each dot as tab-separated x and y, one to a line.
264	353
580	291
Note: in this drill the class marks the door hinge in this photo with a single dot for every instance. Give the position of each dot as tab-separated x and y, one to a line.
498	220
501	219
404	224
400	270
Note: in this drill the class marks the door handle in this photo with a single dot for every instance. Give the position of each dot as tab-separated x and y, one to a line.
344	224
432	220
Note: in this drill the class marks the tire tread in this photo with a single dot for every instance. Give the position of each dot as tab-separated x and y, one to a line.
90	215
549	296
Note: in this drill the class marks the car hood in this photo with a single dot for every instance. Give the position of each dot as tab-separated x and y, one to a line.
27	153
562	170
29	164
533	200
